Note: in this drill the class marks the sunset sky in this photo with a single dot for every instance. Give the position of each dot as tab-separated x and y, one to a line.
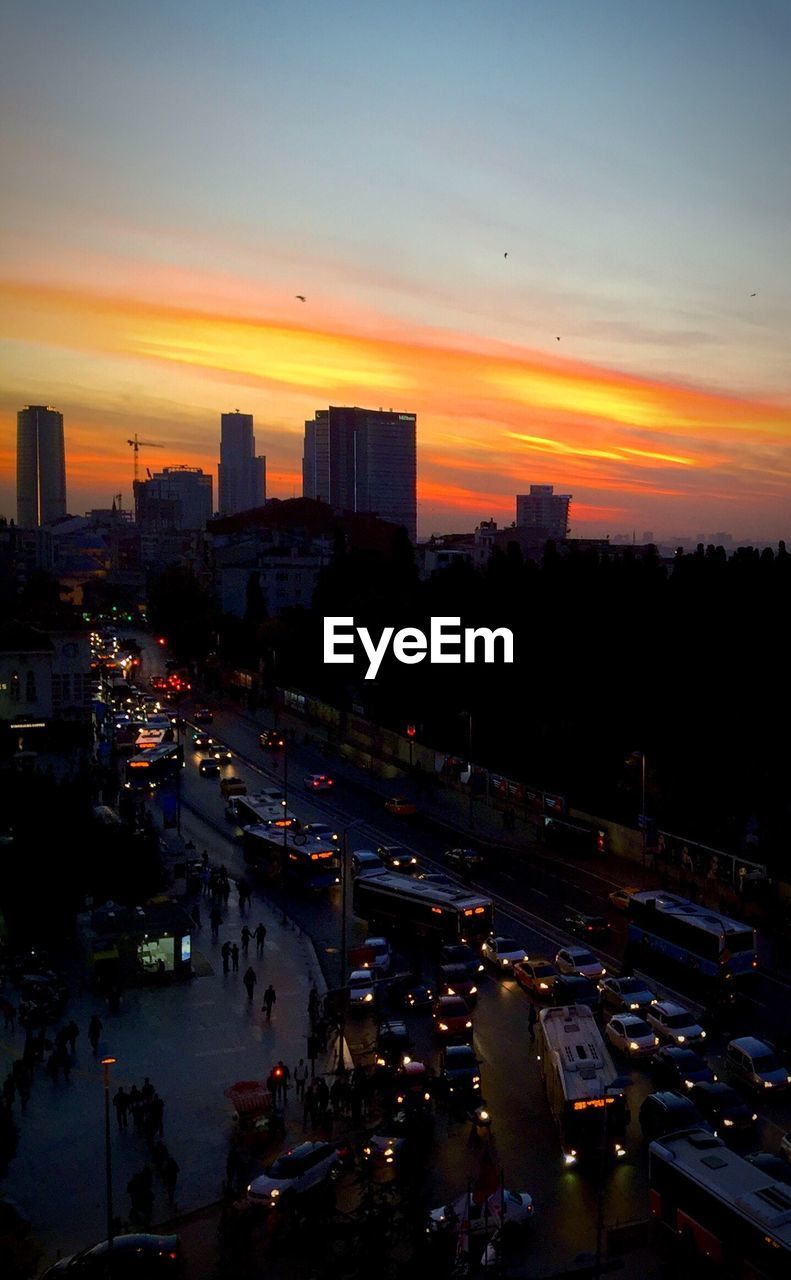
175	172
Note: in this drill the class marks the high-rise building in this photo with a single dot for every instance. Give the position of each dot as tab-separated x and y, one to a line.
543	510
175	498
40	466
241	475
363	460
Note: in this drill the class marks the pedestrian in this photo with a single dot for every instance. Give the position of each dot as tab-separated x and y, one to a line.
148	1092
285	1079
64	1061
300	1077
136	1105
215	918
532	1019
246	936
260	938
249	981
337	1095
270	996
121	1104
273	1085
225	952
72	1031
226	890
156	1112
235	958
170	1173
95	1027
244	892
205	880
309	1106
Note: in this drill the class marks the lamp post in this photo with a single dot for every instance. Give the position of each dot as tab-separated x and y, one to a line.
284	804
344	931
468	714
108	1161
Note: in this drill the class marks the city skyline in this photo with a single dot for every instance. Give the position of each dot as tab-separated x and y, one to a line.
560	242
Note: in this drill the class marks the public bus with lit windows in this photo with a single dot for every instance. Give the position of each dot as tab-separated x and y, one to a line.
310	862
266	807
720	1208
150	768
394	903
584	1091
672	932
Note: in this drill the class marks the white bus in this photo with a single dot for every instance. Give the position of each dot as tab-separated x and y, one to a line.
394	903
719	1207
582	1085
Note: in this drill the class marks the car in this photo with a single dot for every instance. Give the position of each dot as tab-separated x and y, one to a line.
271	740
412	1089
455	981
374	953
223	755
202	741
514	1209
674	1067
460	1071
674	1023
366	863
452	1018
630	1034
133	1255
667	1112
461	953
318	782
753	1064
502	952
579	961
361	988
208	767
297	1171
587	926
203	716
392	1044
570	988
400	807
383	1152
398	858
620	898
463	860
723	1108
321	830
629	994
417	995
775	1167
537	975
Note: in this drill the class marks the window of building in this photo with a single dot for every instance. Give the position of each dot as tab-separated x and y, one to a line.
30	686
15	686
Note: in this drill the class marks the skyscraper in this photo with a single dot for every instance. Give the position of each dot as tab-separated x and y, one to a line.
241	475
174	498
543	510
40	466
363	460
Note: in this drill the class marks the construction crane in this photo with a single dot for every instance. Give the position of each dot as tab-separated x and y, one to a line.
136	446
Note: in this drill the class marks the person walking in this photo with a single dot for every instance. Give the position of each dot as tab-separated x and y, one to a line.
235	957
532	1019
270	996
95	1027
249	981
260	938
121	1104
170	1173
136	1105
225	952
215	919
246	936
300	1077
72	1031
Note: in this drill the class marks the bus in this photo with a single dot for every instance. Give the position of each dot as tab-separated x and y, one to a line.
719	1207
265	807
152	767
664	928
395	903
583	1089
312	863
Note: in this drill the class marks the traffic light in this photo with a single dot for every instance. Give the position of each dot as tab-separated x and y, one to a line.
410	731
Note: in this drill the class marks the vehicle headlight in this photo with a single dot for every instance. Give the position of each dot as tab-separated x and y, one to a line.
634	1006
442	1026
480	968
380	1062
476	1079
427	1097
473	991
505	961
681	1039
406	1059
274	1193
367	1151
619	1150
754	1116
703	1035
767	1084
603	972
542	986
451	992
468	1024
728	1123
688	1084
633	1044
369	995
389	1151
569	1157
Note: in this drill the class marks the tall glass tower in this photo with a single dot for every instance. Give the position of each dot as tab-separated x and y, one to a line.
40	466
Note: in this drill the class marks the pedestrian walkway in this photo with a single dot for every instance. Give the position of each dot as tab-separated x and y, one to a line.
193	1040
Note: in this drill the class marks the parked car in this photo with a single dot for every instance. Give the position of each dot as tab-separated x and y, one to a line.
726	1112
485	1217
460	1071
366	863
579	961
672	1022
753	1064
463	860
400	807
537	975
271	740
570	988
294	1173
318	782
461	953
666	1112
674	1067
631	1035
452	1019
587	926
396	857
630	994
133	1255
502	952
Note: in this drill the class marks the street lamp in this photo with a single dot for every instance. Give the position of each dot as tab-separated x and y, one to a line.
108	1165
344	928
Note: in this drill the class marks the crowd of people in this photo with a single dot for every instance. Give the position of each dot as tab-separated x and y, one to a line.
146	1109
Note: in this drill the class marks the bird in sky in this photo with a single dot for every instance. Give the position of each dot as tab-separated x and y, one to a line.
752	295
558	339
505	255
301	296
